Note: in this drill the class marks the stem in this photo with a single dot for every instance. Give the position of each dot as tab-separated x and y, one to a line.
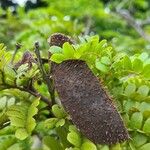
51	80
46	77
125	14
32	92
18	46
36	94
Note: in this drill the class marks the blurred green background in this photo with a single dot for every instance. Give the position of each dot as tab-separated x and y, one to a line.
124	23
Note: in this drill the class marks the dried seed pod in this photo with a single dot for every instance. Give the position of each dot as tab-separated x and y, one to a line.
85	99
89	106
26	58
58	39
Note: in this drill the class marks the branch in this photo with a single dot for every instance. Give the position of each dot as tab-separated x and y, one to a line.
34	93
45	76
88	25
132	22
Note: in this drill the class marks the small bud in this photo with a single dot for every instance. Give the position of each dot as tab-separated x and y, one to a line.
18	45
36	44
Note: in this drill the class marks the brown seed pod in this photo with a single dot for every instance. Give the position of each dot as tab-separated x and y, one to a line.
88	104
58	39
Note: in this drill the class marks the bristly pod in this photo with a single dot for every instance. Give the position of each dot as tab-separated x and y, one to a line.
86	101
58	39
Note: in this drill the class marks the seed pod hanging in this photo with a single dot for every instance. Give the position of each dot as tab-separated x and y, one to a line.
88	104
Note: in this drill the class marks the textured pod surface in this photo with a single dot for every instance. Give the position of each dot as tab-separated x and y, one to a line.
89	106
58	39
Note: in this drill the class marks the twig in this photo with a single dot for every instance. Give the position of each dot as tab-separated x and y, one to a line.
88	26
51	82
32	92
45	76
36	94
132	22
38	55
124	13
18	46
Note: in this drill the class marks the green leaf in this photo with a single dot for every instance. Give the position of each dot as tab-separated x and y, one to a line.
145	147
60	123
80	51
146	127
144	107
58	58
88	146
137	65
10	75
21	134
21	116
2	47
143	56
73	128
94	38
127	65
82	39
136	120
128	105
101	44
18	122
32	111
116	147
143	90
74	138
101	67
139	139
51	143
58	111
16	146
7	141
105	147
55	49
130	88
132	147
146	71
50	123
62	134
106	60
68	50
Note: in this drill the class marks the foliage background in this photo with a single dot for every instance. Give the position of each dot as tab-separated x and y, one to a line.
126	26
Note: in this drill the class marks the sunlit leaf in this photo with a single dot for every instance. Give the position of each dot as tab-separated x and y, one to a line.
74	138
146	127
136	120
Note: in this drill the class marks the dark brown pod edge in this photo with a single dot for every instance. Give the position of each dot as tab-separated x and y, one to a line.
58	39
